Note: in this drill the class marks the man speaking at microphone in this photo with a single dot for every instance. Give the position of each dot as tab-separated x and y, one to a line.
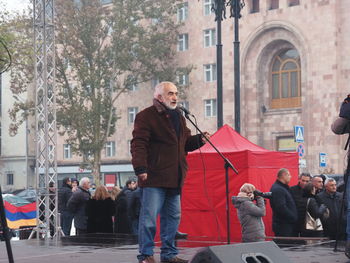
159	146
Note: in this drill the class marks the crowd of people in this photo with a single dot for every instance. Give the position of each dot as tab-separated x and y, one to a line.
97	210
312	208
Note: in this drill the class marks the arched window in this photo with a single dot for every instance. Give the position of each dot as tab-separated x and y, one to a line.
285	80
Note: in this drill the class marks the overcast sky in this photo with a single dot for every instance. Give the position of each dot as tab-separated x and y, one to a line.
15	5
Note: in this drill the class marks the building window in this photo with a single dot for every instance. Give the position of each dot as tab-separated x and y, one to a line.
209	37
154	82
183	79
184	104
210	108
182	12
285	80
182	44
274	4
293	2
210	72
67	151
208	4
155	21
254	8
110	149
9	179
106	2
286	144
52	152
132	111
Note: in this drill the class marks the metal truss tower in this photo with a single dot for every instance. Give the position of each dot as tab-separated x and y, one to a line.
46	133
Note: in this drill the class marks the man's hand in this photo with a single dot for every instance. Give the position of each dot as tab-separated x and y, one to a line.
143	176
206	135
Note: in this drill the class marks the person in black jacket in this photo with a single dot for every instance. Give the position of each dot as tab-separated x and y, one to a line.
121	222
64	193
297	194
332	200
77	205
285	213
100	210
134	206
314	209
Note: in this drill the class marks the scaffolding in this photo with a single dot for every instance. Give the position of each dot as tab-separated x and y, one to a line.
45	113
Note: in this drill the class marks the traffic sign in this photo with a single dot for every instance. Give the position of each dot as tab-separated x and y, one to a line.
302	163
323	160
301	150
299	133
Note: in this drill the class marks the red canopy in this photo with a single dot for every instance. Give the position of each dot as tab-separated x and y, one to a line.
203	195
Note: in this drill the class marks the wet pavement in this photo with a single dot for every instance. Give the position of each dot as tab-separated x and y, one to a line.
123	249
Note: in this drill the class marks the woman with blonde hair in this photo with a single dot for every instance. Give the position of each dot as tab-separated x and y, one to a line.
100	210
115	192
250	213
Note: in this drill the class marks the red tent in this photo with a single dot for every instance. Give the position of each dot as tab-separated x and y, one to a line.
203	196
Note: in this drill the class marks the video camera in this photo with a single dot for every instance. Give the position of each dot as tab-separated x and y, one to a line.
267	195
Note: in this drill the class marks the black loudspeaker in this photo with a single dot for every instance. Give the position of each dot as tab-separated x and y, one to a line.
258	252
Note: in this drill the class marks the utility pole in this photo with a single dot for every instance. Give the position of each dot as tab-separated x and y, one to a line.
219	7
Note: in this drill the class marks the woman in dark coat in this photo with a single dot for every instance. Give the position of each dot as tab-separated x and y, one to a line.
100	211
314	210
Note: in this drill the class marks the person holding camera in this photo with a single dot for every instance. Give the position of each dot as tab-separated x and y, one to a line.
250	213
284	210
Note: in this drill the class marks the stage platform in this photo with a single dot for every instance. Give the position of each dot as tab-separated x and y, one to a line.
123	249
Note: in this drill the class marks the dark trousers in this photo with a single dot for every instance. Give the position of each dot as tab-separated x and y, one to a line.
66	222
80	231
284	230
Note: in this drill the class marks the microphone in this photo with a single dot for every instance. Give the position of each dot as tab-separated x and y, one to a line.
186	111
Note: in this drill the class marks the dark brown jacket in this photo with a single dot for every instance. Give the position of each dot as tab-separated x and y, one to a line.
157	150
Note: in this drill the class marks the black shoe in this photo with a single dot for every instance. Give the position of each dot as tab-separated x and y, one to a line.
180	235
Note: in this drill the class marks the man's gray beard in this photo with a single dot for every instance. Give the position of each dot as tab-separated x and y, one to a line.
170	107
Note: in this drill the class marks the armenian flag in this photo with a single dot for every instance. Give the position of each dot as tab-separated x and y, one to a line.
20	214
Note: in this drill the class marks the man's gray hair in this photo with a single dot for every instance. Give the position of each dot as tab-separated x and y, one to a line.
83	181
159	89
329	180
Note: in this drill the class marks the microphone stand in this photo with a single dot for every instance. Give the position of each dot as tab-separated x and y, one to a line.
227	165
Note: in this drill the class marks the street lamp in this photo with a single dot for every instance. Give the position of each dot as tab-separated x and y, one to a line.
235	10
219	7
